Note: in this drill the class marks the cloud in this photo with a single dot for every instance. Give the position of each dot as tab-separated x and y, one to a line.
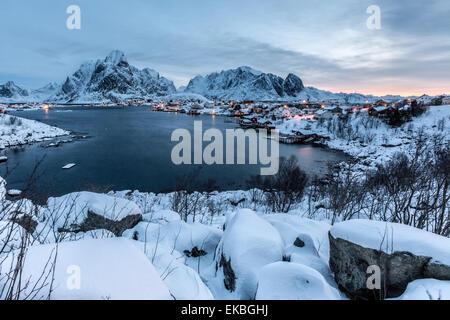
325	42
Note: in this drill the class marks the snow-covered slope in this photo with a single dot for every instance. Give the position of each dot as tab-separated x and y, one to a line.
43	93
245	83
12	92
112	79
16	131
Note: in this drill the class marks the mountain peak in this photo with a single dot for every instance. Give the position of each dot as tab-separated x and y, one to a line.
249	69
112	79
116	57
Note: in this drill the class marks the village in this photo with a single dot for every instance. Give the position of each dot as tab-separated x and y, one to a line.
270	115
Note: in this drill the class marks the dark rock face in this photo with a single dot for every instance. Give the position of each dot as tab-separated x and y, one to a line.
228	273
299	243
10	89
195	253
293	85
111	78
97	222
350	263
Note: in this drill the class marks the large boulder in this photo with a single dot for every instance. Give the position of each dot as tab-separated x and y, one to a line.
402	254
292	281
248	244
87	211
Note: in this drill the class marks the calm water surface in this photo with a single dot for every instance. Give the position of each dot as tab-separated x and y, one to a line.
129	149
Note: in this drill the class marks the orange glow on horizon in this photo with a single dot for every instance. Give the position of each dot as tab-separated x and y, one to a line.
399	91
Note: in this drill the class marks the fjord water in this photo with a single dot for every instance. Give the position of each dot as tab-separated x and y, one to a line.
129	149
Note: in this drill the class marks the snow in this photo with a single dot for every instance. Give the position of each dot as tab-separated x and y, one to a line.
177	235
370	137
392	237
249	243
69	166
73	208
15	131
291	281
14	192
108	269
3	159
427	289
291	227
165	245
184	283
162	216
2	189
184	97
11	236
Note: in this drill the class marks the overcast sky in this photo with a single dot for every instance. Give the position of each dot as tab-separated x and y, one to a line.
325	42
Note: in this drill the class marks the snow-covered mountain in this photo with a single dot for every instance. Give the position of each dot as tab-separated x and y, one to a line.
11	91
316	95
112	79
245	83
46	91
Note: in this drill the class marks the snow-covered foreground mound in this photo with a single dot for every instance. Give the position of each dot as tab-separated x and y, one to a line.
427	289
292	281
90	269
238	254
15	131
248	244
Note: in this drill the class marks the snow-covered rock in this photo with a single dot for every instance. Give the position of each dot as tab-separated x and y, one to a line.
249	243
305	242
292	281
177	235
427	289
86	211
394	237
90	270
184	283
292	227
162	216
402	253
14	193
